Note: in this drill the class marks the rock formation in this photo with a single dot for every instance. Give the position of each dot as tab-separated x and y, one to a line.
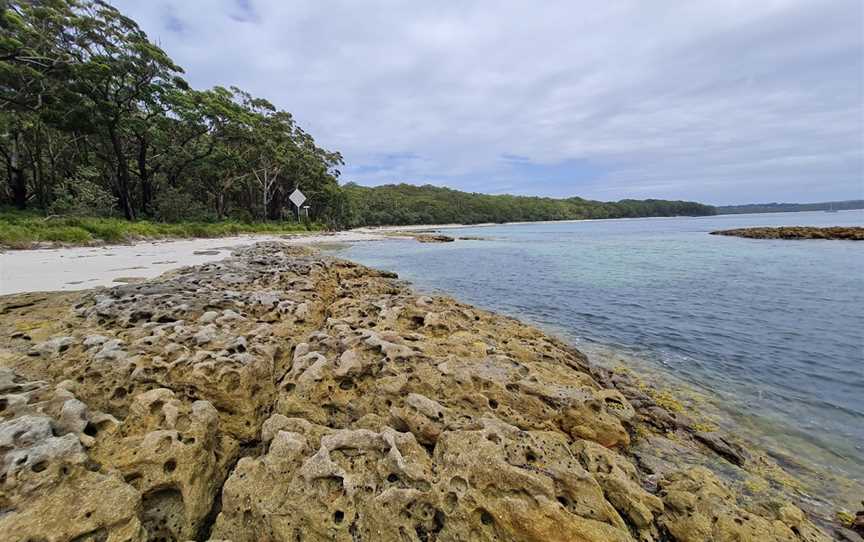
434	238
282	395
846	233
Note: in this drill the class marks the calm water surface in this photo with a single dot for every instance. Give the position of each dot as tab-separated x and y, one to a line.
770	331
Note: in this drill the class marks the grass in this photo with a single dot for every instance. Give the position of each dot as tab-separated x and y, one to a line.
21	229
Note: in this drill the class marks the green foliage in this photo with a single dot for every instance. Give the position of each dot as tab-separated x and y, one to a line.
15	236
173	205
72	235
81	195
408	204
90	108
790	207
25	229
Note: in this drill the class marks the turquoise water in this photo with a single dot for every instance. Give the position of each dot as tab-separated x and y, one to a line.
770	331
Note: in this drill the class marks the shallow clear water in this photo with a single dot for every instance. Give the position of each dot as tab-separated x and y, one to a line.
770	330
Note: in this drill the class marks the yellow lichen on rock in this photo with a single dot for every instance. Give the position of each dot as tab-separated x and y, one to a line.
698	507
49	489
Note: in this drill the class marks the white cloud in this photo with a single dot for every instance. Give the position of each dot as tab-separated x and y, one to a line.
721	101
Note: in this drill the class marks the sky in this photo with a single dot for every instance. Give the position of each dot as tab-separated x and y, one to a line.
723	102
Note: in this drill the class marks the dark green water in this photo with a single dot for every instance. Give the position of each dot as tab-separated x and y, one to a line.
770	331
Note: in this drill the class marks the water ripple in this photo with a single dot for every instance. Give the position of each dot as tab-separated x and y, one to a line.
773	329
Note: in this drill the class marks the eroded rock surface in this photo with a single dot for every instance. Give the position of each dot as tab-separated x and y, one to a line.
282	395
49	487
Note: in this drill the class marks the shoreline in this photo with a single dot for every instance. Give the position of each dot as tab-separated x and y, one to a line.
81	268
301	237
414	227
438	339
809	463
361	233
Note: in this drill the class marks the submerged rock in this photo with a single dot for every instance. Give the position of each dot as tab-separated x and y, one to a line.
699	507
282	395
727	449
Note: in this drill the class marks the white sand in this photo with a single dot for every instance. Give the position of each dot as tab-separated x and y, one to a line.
80	268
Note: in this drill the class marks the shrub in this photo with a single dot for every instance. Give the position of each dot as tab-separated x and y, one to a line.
111	230
15	236
81	195
174	205
66	234
21	229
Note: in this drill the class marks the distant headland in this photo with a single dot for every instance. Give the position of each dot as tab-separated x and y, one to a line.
845	205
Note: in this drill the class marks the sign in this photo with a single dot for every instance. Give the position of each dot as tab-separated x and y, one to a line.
297	197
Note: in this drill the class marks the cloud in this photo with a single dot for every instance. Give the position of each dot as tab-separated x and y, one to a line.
719	101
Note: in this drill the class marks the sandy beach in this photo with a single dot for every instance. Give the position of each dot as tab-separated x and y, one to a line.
80	268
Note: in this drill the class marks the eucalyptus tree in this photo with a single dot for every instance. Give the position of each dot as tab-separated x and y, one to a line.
88	103
123	80
34	64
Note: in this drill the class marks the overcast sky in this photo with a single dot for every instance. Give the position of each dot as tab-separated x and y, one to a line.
717	101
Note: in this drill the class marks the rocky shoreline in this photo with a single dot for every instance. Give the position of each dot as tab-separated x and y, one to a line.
284	395
846	233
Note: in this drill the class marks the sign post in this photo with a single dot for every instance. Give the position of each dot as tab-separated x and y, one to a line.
297	198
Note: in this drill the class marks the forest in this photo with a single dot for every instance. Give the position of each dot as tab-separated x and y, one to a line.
790	207
408	204
98	121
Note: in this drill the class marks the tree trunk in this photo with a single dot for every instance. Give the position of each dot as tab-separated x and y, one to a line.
16	174
123	191
144	174
265	187
40	183
121	178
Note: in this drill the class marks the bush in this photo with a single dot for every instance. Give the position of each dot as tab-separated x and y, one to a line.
174	205
66	234
111	230
15	236
241	215
80	195
22	229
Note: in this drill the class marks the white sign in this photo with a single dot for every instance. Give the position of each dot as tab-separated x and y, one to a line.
297	197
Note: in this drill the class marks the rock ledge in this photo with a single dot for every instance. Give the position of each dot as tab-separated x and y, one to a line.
852	233
282	395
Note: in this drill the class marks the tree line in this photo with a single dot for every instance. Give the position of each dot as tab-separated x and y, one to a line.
790	207
408	204
95	118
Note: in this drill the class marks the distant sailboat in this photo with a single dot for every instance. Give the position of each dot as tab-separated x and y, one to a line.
831	208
